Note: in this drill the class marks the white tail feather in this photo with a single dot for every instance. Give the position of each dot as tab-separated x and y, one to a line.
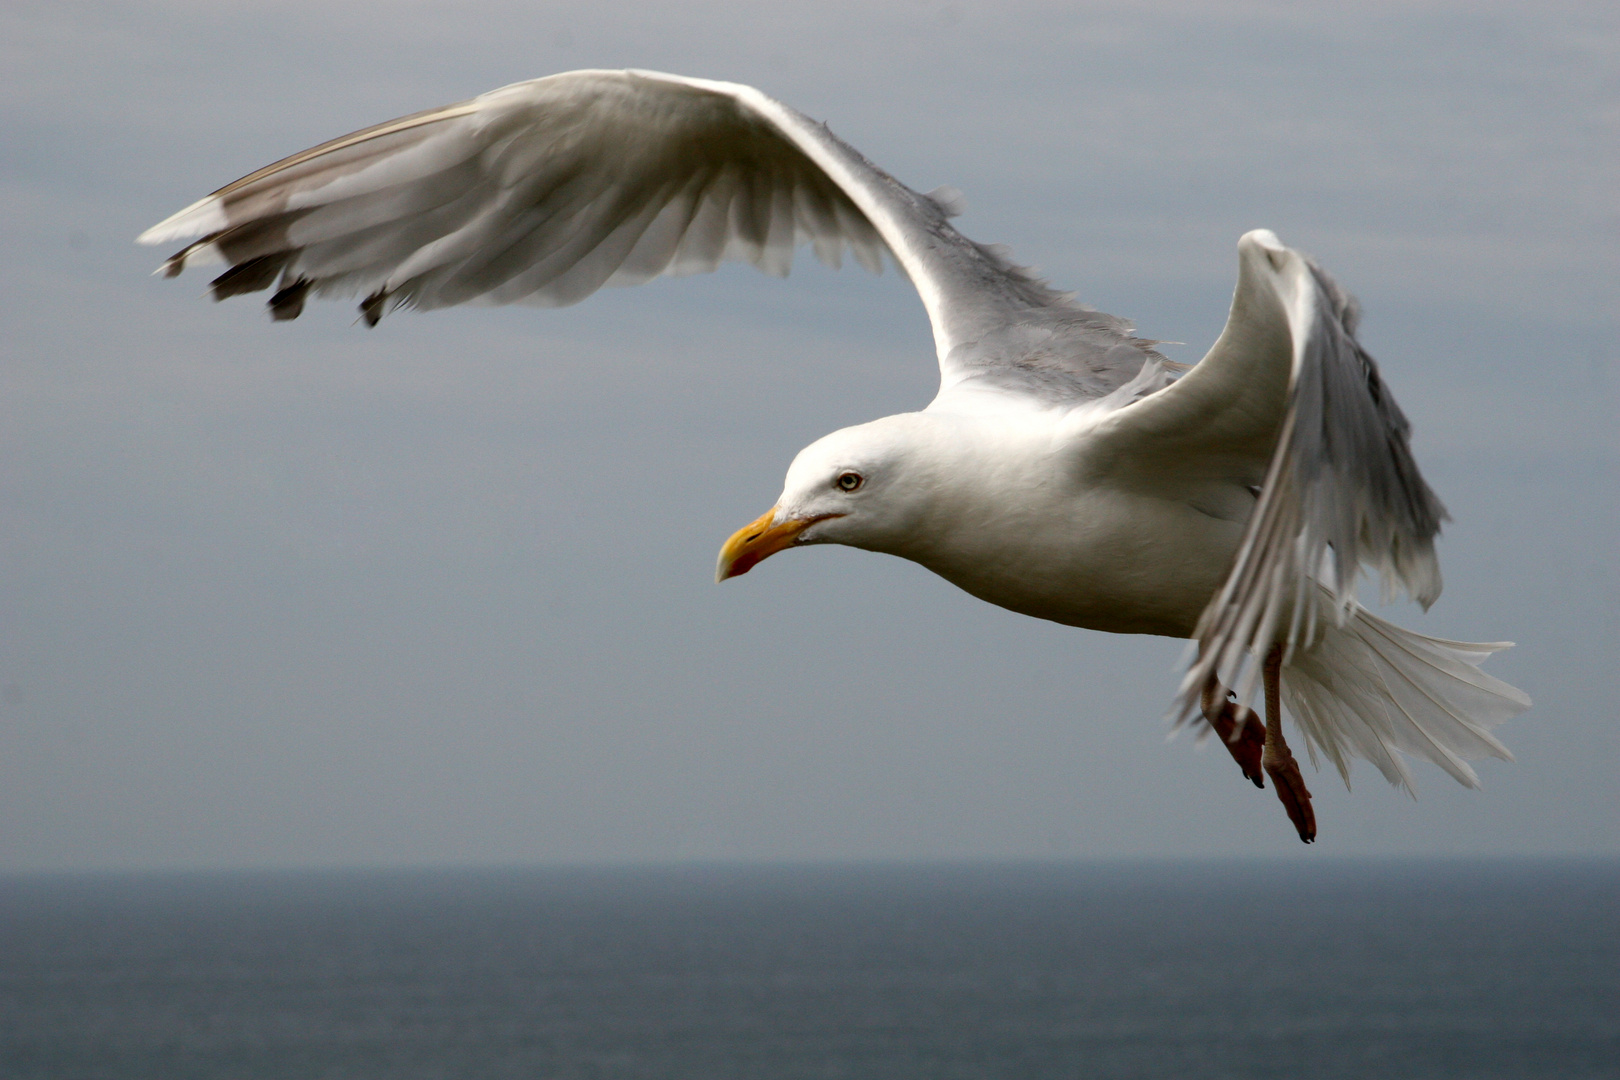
1369	688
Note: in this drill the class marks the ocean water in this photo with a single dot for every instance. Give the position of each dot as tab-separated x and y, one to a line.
1299	970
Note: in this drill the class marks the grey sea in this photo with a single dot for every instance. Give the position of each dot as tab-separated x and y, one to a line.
1296	970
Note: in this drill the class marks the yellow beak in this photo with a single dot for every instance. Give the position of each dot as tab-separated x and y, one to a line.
758	541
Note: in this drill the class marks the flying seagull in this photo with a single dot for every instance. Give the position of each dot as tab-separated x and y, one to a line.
1065	470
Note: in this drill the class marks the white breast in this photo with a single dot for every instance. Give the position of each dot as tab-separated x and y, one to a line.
1015	525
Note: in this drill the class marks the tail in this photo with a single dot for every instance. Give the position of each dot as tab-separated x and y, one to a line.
1369	688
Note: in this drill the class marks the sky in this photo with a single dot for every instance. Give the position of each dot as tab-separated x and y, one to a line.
440	593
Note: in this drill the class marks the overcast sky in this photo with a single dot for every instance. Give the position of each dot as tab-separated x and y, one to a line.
441	592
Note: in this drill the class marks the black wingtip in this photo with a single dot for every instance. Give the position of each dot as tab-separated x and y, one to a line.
249	276
288	303
371	308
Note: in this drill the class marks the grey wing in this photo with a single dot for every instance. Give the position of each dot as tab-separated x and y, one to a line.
544	191
1288	397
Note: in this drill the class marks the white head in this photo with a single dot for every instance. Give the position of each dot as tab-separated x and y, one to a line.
866	486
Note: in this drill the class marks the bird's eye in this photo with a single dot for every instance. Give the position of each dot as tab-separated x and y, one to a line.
850	481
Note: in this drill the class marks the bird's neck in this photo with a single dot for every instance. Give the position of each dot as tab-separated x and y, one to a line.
974	482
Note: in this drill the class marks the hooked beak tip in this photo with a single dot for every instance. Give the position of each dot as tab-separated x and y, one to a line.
759	540
751	544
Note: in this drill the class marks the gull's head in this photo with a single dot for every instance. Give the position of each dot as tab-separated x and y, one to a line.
864	486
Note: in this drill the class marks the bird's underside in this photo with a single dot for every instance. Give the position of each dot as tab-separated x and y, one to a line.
1284	434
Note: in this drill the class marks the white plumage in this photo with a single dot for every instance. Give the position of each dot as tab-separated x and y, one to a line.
1064	469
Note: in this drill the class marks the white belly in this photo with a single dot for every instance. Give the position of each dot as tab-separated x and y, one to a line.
1104	560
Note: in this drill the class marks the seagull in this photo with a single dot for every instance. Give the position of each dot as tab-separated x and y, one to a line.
1065	469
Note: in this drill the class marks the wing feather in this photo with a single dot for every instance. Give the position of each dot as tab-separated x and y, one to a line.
1289	401
1341	492
542	192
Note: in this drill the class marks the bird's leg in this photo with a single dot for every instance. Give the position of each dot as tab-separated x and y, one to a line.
1236	727
1279	760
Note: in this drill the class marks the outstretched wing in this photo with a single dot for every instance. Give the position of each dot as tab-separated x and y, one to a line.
544	191
1288	400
